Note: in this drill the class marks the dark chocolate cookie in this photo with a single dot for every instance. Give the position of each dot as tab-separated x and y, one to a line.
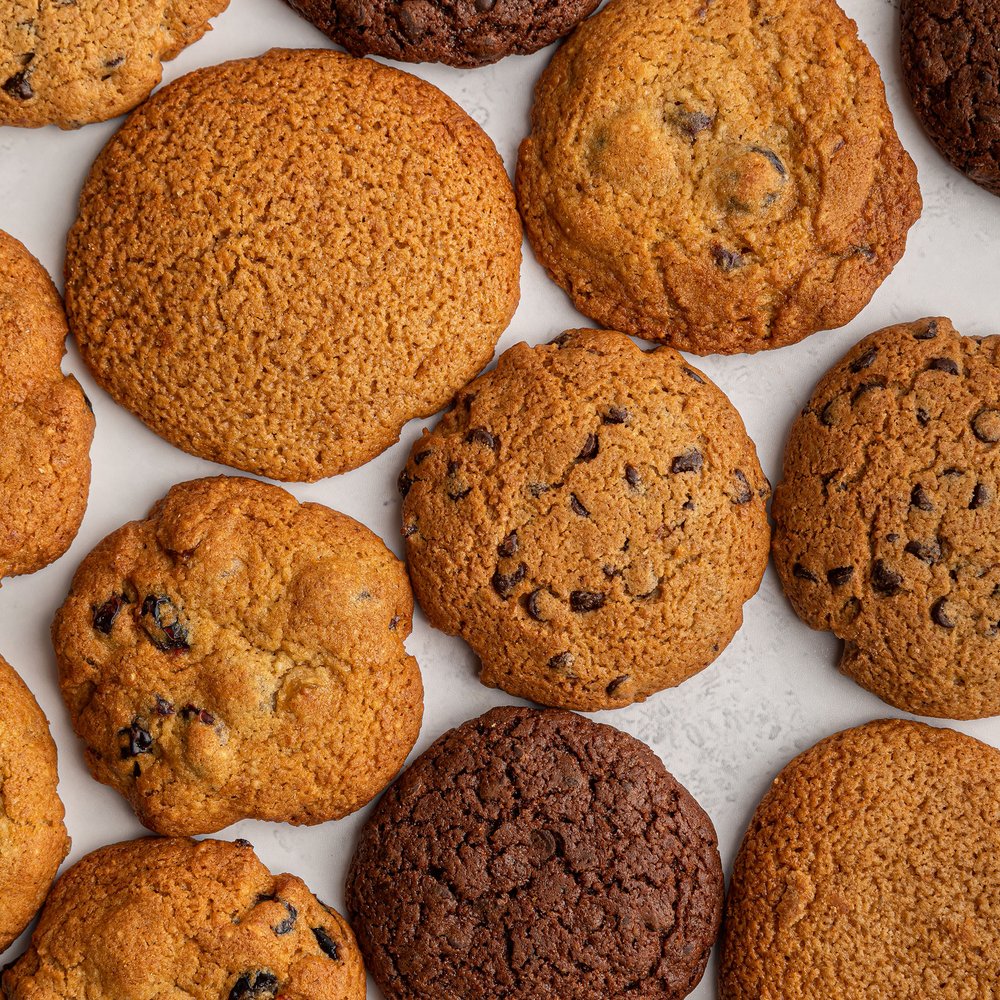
533	854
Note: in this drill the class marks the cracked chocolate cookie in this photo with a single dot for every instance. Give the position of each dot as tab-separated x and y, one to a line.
576	519
887	522
70	62
951	63
536	854
721	176
181	918
281	290
870	869
238	654
46	420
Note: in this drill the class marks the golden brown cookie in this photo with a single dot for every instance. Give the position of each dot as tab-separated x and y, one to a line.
182	918
887	522
590	518
70	62
871	869
46	419
33	839
282	289
236	655
721	176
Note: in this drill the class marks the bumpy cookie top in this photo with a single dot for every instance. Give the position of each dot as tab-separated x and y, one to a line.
179	918
47	423
280	290
237	654
546	856
871	868
590	518
33	839
70	62
887	523
722	176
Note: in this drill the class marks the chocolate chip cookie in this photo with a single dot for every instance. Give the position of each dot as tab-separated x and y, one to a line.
870	869
576	518
536	854
721	176
282	289
177	917
238	654
46	419
887	523
70	62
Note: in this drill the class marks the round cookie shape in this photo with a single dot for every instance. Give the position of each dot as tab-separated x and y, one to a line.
281	290
951	64
546	855
72	62
47	422
575	518
870	868
724	177
887	521
178	917
33	839
239	655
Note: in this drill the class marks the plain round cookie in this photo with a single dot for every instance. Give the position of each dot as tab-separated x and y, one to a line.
887	521
536	854
282	289
463	33
70	62
181	918
237	654
951	64
33	839
720	176
870	869
590	518
46	419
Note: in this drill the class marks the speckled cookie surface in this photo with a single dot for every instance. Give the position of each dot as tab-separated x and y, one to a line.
871	868
887	522
462	33
575	519
721	176
178	918
281	290
70	62
47	424
536	854
33	839
237	654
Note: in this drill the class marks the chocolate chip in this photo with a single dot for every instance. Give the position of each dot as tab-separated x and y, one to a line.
404	483
610	572
929	332
422	456
839	575
114	63
951	472
617	683
632	476
772	157
326	944
531	605
726	260
691	123
980	497
505	583
586	600
801	573
690	461
865	387
939	613
138	740
885	581
163	707
923	417
943	365
480	435
865	361
544	844
562	661
920	499
615	415
485	6
160	620
745	494
693	374
459	494
508	547
826	414
19	87
562	340
105	615
257	985
589	449
577	507
928	552
986	426
688	504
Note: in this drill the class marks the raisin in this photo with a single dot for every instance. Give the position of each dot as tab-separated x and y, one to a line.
632	476
726	260
885	581
826	414
409	529
201	714
139	740
562	661
745	494
161	622
693	374
163	707
801	573
537	489
404	483
928	552
480	435
690	461
839	575
505	583
617	683
615	415
691	123
586	600
531	605
589	449
980	497
772	157
105	615
393	622
577	507
421	456
929	332
920	499
943	365
326	944
865	361
257	985
240	842
287	923
459	494
508	546
939	613
19	86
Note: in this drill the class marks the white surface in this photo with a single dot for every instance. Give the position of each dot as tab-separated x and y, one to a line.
726	732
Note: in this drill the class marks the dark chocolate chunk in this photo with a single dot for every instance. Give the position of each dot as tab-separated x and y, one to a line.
505	583
326	944
19	86
138	740
577	507
943	365
632	476
940	614
865	361
160	620
615	415
590	448
801	573
586	600
105	615
885	581
690	461
508	547
839	575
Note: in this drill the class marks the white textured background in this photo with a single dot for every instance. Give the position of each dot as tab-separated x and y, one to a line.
726	732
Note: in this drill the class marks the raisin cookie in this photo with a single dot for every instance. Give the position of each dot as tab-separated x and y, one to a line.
70	62
536	854
871	869
179	918
33	839
577	519
236	655
887	523
46	419
281	290
721	176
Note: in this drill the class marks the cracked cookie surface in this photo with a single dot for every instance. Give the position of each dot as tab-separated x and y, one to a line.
536	854
870	868
184	919
238	654
721	176
887	521
575	517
